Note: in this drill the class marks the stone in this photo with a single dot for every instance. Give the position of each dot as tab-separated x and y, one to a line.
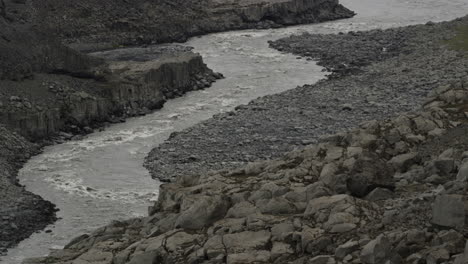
181	240
257	257
241	209
280	249
404	161
144	258
316	190
96	256
448	211
445	166
277	206
310	235
345	249
437	255
376	251
327	173
334	153
416	236
247	240
205	211
379	194
325	202
342	228
462	258
214	247
463	172
280	231
322	259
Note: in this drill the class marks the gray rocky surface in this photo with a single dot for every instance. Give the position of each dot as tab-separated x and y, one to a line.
327	227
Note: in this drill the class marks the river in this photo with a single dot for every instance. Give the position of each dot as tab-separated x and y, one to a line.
101	178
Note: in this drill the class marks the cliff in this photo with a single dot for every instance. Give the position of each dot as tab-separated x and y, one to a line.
51	103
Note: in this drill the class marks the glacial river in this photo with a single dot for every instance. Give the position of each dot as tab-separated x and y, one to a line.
101	178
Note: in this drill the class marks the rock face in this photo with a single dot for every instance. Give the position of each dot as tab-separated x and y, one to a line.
127	88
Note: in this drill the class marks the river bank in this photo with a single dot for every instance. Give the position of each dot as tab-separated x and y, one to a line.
389	191
52	93
382	73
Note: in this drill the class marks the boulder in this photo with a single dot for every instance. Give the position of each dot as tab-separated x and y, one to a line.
448	211
463	172
203	212
248	240
404	161
377	251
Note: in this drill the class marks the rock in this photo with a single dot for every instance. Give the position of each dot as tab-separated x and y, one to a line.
254	257
248	240
444	166
379	194
342	228
377	251
309	236
437	255
463	172
203	212
326	202
280	231
322	259
347	248
277	206
448	211
462	258
181	240
241	209
144	258
214	247
281	249
404	161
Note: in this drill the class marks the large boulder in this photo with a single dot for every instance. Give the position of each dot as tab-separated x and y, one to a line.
205	211
449	211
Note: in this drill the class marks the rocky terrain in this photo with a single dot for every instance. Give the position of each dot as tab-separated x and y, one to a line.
97	24
18	206
393	70
51	92
391	190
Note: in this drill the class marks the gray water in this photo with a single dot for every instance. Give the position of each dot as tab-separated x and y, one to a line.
101	178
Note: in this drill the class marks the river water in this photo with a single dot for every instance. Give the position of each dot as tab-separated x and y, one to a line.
101	178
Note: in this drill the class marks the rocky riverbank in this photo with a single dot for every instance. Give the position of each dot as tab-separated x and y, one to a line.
50	92
393	70
391	190
21	212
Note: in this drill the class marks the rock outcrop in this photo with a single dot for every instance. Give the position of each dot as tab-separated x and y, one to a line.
52	103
